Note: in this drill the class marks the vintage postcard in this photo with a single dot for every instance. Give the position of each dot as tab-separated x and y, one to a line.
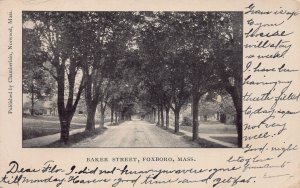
150	94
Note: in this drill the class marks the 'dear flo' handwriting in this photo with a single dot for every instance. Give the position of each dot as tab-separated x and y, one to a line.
50	172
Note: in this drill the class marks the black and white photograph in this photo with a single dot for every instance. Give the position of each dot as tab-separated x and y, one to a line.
138	79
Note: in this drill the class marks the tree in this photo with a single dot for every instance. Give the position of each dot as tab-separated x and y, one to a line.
107	34
180	87
202	32
105	94
197	43
228	62
217	47
59	33
163	46
152	70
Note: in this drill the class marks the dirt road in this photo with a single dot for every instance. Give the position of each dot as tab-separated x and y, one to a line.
136	133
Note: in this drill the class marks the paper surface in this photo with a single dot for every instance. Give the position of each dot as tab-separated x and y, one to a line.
271	111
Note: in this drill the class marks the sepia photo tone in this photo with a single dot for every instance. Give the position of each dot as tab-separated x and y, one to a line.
132	79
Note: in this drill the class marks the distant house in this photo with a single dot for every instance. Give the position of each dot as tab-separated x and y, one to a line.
220	109
40	107
48	107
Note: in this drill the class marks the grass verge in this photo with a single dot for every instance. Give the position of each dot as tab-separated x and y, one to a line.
37	126
78	137
200	142
229	139
32	132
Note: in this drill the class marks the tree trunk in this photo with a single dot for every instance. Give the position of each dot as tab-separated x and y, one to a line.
65	116
191	108
235	92
67	111
32	101
239	127
162	115
158	116
176	113
102	118
122	115
167	117
112	115
116	117
119	117
102	115
90	122
64	129
237	101
154	115
151	116
195	105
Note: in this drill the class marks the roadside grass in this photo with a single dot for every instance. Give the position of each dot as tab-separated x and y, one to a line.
43	129
33	128
212	130
232	140
37	126
35	117
31	132
200	142
78	137
209	127
75	119
208	144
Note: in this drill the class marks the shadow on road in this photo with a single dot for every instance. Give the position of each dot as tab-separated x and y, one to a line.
170	130
115	124
78	137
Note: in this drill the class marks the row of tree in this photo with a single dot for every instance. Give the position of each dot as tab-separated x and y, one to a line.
160	59
187	55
